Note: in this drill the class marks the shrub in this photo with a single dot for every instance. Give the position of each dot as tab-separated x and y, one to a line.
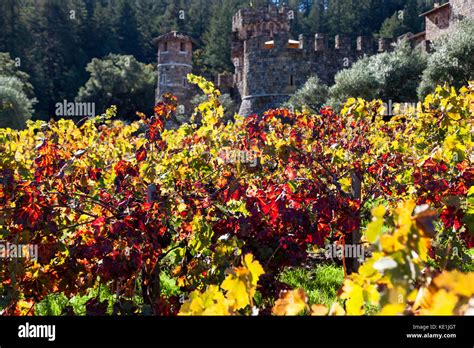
390	75
312	95
15	106
453	60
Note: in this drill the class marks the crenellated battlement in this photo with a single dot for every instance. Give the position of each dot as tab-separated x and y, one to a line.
317	43
270	65
267	21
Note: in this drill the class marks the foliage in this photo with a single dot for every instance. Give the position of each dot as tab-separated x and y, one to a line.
393	280
226	101
121	81
9	67
402	21
453	59
239	286
312	95
15	106
388	76
16	94
132	218
393	27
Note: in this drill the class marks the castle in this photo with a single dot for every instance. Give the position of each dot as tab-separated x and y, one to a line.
270	66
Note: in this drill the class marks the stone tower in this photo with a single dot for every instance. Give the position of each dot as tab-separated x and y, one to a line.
175	52
249	23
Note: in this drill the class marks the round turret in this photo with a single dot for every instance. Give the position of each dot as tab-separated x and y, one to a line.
175	59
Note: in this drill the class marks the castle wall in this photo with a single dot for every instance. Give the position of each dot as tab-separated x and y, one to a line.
269	67
462	9
271	75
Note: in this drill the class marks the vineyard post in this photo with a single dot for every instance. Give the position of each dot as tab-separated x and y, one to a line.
354	238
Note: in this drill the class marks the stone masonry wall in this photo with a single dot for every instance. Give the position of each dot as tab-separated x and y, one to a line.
437	23
174	64
272	75
462	9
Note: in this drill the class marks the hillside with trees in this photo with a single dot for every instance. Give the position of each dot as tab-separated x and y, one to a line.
54	41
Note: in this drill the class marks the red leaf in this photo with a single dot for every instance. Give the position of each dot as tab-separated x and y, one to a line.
141	154
290	172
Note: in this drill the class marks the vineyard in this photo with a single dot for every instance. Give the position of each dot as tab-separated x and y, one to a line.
219	218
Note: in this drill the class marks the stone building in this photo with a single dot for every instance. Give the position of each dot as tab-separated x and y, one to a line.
442	18
175	62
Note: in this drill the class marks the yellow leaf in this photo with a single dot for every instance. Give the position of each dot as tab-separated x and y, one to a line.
256	270
319	310
443	303
393	309
291	302
457	282
211	302
236	291
345	184
374	228
378	212
454	116
355	301
336	309
372	294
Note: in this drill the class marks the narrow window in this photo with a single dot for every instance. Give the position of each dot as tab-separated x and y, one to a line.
292	82
185	82
182	47
436	20
165	47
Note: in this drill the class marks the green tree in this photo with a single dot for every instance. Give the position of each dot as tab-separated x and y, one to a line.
103	21
119	80
393	26
402	21
411	16
16	94
128	34
217	38
11	27
312	95
388	76
55	59
453	60
15	106
316	18
9	67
